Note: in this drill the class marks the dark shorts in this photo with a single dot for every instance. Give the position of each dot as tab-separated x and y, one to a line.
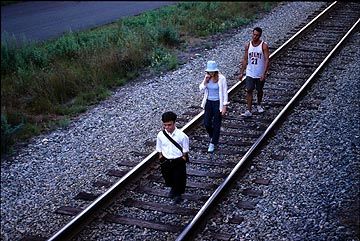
252	83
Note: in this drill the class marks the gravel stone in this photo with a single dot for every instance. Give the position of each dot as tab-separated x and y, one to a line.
51	169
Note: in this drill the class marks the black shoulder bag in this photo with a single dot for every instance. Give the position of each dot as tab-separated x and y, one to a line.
165	165
175	143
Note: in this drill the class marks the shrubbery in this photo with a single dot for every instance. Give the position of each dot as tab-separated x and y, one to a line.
62	77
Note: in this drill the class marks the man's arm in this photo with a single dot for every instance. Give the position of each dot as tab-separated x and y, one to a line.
159	146
185	148
267	59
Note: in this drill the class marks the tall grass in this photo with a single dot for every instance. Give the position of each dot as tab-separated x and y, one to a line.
54	81
4	3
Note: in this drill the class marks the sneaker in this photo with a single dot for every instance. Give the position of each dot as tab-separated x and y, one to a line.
260	109
246	114
211	147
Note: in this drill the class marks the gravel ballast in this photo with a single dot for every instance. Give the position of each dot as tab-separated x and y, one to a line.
312	165
50	170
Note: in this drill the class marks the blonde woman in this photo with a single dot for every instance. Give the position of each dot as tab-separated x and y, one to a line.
214	102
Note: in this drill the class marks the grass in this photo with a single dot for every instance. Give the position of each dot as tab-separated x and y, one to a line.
5	3
44	85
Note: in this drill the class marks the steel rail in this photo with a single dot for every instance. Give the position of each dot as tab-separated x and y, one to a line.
85	216
71	228
190	228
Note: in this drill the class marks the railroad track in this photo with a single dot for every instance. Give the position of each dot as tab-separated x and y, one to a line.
138	200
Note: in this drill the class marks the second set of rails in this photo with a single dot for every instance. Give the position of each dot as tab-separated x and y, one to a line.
139	201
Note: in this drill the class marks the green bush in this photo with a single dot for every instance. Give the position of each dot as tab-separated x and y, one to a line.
162	60
168	36
64	76
8	132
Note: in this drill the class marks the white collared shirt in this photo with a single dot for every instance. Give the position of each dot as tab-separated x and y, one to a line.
167	148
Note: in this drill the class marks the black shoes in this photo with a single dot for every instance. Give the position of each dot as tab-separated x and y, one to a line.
178	199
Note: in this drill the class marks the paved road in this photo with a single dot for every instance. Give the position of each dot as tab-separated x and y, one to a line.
43	20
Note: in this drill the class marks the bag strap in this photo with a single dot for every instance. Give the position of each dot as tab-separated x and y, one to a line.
173	141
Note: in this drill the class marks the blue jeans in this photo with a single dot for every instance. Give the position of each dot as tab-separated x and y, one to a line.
212	120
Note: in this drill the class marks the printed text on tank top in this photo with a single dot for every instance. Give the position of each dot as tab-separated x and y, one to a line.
256	64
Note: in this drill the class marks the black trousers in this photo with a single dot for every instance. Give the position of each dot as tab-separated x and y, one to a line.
174	173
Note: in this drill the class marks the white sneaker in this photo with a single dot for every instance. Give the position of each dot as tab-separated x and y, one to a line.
211	147
246	113
260	109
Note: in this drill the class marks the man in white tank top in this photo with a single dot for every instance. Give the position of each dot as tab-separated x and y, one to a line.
256	61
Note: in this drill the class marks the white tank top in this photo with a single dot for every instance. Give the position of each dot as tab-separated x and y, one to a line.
256	61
